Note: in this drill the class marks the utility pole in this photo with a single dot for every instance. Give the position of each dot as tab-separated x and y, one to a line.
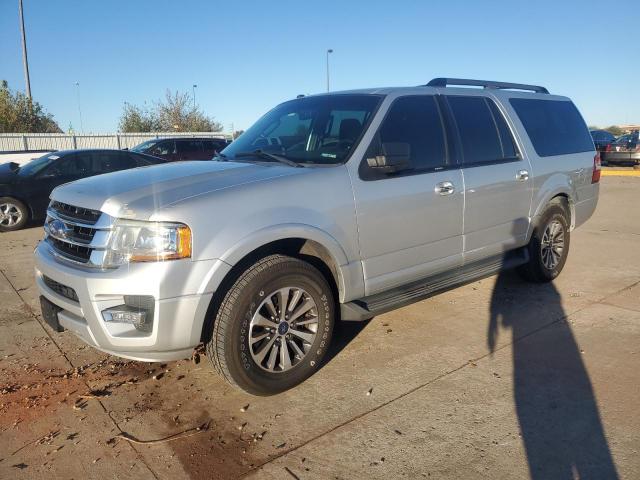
328	52
194	95
24	52
79	109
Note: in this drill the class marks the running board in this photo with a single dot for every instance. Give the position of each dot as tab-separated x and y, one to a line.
368	307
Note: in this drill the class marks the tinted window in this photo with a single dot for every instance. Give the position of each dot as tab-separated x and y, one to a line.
478	129
163	148
554	127
623	139
189	146
213	145
506	139
416	120
105	162
602	135
76	165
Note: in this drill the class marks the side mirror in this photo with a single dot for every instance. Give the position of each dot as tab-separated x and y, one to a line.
395	157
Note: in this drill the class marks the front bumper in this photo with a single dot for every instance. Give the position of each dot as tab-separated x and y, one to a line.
181	298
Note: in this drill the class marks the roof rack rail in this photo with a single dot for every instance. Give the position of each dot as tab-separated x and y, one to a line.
444	82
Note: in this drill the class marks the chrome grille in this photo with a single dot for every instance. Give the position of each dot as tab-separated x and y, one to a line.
73	213
76	253
76	234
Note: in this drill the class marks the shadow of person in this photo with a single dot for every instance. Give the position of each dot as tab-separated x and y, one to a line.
557	411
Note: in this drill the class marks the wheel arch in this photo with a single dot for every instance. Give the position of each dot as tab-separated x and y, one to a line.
556	187
306	243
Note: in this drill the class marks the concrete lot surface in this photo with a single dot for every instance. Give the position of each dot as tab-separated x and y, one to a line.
497	379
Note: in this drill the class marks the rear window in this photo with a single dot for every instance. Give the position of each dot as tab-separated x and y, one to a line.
554	127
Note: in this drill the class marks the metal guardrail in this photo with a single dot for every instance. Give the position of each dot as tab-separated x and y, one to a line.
20	142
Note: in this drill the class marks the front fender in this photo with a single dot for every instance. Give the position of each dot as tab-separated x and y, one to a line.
350	277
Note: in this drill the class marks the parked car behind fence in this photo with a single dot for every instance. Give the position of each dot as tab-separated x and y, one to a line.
174	149
602	138
25	189
625	150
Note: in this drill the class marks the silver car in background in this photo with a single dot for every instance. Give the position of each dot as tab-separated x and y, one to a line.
333	207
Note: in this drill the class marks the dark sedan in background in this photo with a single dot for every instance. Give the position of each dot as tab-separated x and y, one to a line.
625	150
25	190
175	149
602	138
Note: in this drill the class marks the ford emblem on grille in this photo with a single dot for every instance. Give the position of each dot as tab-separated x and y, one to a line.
58	229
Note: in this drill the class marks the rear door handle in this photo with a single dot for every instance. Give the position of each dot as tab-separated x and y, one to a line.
445	188
522	175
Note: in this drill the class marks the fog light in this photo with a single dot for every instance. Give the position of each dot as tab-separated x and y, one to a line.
137	311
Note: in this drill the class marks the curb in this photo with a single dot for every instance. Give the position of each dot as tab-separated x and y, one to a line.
620	173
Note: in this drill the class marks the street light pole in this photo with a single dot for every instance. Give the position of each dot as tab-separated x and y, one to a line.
79	109
24	52
328	52
194	95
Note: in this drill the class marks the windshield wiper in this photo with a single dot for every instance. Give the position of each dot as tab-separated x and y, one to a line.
221	156
268	156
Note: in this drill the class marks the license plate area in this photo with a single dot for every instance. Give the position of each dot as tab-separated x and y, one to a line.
50	314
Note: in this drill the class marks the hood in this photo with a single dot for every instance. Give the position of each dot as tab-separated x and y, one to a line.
8	172
140	192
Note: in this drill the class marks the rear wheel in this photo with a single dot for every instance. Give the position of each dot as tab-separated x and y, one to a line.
273	326
549	245
13	214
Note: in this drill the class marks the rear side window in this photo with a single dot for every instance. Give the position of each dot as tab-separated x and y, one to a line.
484	135
105	162
416	120
163	148
190	146
554	127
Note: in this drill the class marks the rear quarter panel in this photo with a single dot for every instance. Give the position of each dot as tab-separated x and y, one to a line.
567	175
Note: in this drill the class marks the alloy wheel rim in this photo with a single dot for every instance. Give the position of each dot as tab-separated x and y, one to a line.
10	214
283	329
552	245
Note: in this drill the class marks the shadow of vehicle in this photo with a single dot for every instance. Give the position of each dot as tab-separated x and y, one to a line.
554	399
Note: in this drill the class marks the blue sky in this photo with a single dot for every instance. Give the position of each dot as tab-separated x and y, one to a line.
247	56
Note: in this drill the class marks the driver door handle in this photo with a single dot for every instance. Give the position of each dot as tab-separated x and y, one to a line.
445	188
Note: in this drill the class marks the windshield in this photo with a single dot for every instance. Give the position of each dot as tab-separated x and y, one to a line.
623	139
312	130
144	146
37	165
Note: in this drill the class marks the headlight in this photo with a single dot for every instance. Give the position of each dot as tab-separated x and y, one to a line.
133	241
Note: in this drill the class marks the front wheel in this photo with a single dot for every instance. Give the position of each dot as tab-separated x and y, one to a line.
13	214
273	327
549	245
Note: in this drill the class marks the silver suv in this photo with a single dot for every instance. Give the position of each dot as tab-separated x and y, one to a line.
331	207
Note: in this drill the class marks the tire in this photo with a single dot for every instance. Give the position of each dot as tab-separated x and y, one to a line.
554	223
250	310
14	214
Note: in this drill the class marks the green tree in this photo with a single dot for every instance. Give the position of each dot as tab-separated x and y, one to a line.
19	114
175	113
137	119
614	130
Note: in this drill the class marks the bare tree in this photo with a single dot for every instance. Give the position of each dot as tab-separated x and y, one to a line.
175	113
